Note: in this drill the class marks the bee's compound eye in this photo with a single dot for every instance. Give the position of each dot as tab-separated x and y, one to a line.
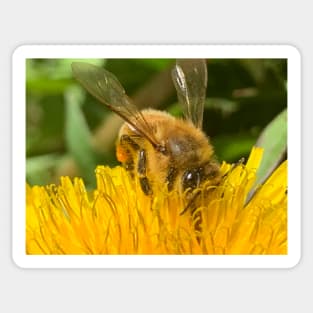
191	178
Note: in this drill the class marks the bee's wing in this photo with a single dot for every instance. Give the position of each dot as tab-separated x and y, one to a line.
104	86
190	79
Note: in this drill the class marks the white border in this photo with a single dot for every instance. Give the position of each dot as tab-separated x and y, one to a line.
156	51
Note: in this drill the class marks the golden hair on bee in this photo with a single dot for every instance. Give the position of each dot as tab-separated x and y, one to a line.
153	145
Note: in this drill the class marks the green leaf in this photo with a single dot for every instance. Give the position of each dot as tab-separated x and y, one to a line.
157	64
47	86
274	141
63	67
78	135
52	76
40	169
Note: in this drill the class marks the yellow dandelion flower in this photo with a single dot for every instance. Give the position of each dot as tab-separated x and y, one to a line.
117	218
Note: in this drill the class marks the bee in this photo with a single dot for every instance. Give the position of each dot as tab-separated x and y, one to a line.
160	149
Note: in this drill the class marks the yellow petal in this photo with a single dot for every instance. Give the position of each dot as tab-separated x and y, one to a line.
118	218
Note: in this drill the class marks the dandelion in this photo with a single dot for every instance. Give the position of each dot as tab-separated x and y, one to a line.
118	218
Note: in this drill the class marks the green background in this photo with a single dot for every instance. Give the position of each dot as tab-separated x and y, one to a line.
246	105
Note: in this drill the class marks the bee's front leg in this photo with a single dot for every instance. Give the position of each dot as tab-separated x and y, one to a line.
142	172
124	152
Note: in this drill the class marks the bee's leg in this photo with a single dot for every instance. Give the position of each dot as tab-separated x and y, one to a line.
191	205
170	178
142	171
124	152
196	215
127	140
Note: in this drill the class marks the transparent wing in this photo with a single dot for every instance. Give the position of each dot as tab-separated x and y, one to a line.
190	79
105	87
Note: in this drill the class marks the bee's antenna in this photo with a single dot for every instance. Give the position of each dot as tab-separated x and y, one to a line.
161	149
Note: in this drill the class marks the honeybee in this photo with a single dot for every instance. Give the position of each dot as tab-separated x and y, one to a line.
157	147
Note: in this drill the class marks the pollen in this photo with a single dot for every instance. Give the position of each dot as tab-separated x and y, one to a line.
121	154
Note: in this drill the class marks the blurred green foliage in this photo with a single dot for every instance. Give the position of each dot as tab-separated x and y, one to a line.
243	97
